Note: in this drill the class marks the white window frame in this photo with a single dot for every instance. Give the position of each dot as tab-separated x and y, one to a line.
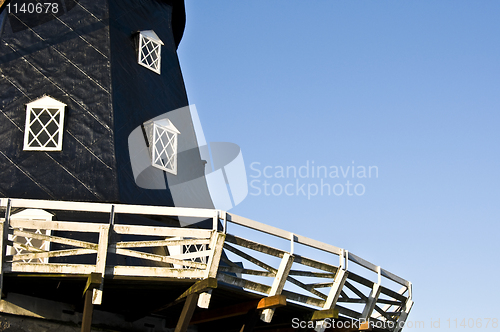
52	107
146	39
156	132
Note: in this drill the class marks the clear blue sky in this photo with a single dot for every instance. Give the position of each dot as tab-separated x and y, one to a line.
412	87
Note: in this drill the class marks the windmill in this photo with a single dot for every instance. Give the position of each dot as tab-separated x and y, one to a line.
102	160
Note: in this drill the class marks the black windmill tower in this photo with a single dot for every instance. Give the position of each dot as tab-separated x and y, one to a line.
82	84
77	77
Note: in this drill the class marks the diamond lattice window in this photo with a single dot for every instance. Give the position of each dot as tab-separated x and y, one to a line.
44	125
149	50
162	137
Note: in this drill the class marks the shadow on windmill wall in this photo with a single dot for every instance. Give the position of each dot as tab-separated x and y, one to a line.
159	164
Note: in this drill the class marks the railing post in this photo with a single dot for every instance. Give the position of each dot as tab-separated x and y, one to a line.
216	244
404	315
102	254
224	217
215	223
372	299
335	290
4	234
278	283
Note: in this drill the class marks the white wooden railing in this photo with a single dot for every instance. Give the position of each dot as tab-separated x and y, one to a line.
257	257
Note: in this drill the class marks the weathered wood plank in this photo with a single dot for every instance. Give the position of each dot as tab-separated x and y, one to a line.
84	227
146	271
187	312
321	285
255	246
250	258
247	284
161	243
313	275
216	245
292	296
199	287
55	253
315	264
307	288
105	208
193	254
364	263
27	248
282	234
88	309
158	258
246	271
57	239
163	231
77	269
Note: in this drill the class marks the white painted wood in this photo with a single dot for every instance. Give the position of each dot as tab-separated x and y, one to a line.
282	234
159	258
394	277
163	231
216	245
57	225
194	254
278	284
333	296
47	254
371	302
184	267
404	315
102	253
77	269
387	307
57	239
105	208
146	271
161	243
360	261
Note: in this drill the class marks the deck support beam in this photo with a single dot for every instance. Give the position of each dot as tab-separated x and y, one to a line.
239	309
93	282
192	296
187	312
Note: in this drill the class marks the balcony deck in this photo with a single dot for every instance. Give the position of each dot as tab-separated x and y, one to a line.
240	271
